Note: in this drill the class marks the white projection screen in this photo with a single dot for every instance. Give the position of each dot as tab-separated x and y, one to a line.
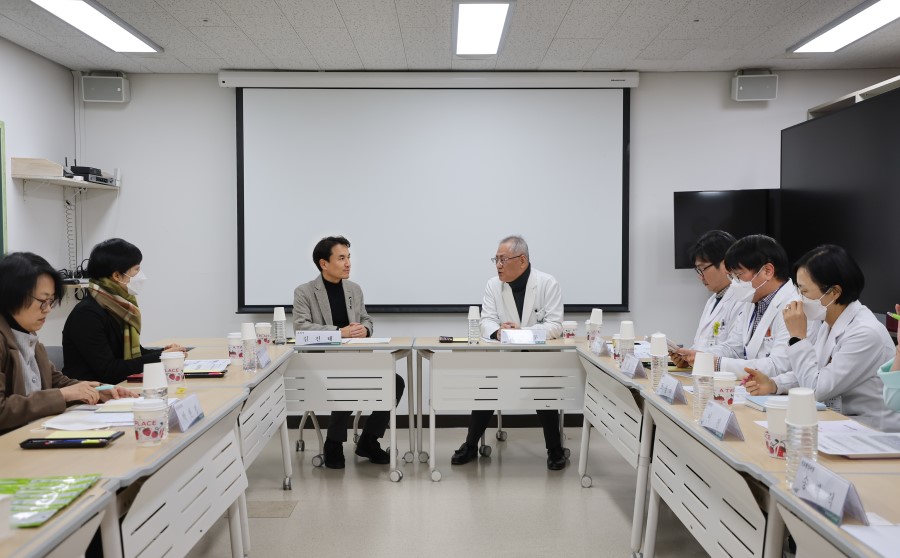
424	183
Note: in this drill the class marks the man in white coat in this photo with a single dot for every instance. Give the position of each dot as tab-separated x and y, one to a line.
520	297
722	309
758	267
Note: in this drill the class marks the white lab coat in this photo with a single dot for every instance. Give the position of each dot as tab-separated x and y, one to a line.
725	314
766	350
542	309
839	364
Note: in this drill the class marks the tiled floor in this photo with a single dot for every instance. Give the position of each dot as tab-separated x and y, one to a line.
506	505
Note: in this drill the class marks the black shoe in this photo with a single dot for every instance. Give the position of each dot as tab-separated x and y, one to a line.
556	459
464	454
334	454
371	449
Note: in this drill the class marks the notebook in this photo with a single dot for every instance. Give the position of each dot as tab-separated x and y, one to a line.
758	402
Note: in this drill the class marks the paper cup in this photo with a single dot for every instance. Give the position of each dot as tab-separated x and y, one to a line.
723	388
150	421
248	331
154	376
278	314
626	330
235	348
801	409
263	333
173	364
776	432
474	313
658	346
597	316
704	364
569	330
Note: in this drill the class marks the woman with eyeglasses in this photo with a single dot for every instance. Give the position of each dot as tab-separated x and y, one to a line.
101	338
839	358
30	386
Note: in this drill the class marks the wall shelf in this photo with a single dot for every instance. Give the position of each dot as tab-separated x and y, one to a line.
65	182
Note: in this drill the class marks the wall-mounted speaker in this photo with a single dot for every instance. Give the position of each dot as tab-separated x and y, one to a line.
105	89
754	87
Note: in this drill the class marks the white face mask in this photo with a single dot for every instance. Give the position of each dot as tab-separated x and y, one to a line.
136	283
744	290
813	308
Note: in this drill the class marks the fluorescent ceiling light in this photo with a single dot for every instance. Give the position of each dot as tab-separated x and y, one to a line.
100	25
874	17
479	28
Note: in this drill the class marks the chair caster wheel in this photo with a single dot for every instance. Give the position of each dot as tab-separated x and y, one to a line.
301	445
485	451
566	452
586	481
286	485
318	460
408	457
502	435
423	457
436	476
396	475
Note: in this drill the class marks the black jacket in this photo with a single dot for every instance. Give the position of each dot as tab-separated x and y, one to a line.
93	343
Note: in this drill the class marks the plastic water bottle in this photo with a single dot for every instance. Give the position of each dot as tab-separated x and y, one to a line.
249	355
802	441
703	394
279	337
474	325
626	347
659	365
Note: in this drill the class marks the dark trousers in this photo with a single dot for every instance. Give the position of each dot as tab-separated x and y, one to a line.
375	425
478	423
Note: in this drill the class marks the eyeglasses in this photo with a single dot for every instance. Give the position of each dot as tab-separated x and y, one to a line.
46	304
501	261
701	270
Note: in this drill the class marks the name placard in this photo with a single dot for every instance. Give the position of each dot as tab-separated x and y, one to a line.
832	495
720	421
517	336
184	413
317	337
671	390
599	347
262	356
632	367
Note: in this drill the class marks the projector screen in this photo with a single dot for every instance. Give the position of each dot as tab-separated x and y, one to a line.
424	183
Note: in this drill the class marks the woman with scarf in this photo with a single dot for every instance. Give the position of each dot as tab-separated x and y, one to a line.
101	338
30	386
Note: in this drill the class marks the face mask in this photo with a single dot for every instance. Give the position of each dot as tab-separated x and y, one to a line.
744	290
813	308
136	283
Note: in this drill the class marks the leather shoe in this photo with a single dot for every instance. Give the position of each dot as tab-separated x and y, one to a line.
464	454
372	450
334	454
556	459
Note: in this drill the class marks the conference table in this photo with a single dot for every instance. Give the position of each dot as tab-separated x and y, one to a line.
161	499
355	375
730	494
495	376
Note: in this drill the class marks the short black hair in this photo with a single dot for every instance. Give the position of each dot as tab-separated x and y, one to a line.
756	250
829	265
19	272
711	247
112	255
323	248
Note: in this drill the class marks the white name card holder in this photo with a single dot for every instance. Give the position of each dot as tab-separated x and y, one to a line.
184	413
632	367
517	337
720	421
829	493
671	390
317	338
262	356
600	348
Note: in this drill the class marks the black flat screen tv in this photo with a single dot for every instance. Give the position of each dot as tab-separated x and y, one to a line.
840	182
739	212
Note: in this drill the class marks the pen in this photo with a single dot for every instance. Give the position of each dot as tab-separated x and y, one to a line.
104	387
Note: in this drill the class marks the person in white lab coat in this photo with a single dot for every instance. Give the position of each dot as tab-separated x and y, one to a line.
519	297
758	268
722	309
890	375
839	358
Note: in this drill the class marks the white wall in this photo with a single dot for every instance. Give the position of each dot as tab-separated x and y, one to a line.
175	144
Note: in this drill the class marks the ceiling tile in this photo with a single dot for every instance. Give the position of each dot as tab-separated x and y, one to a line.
426	49
233	46
122	6
472	65
539	13
277	39
609	58
166	31
763	12
424	13
569	54
310	14
662	49
205	65
524	49
250	7
589	20
208	15
333	49
163	65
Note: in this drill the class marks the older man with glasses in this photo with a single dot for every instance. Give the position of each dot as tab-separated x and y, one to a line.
520	297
